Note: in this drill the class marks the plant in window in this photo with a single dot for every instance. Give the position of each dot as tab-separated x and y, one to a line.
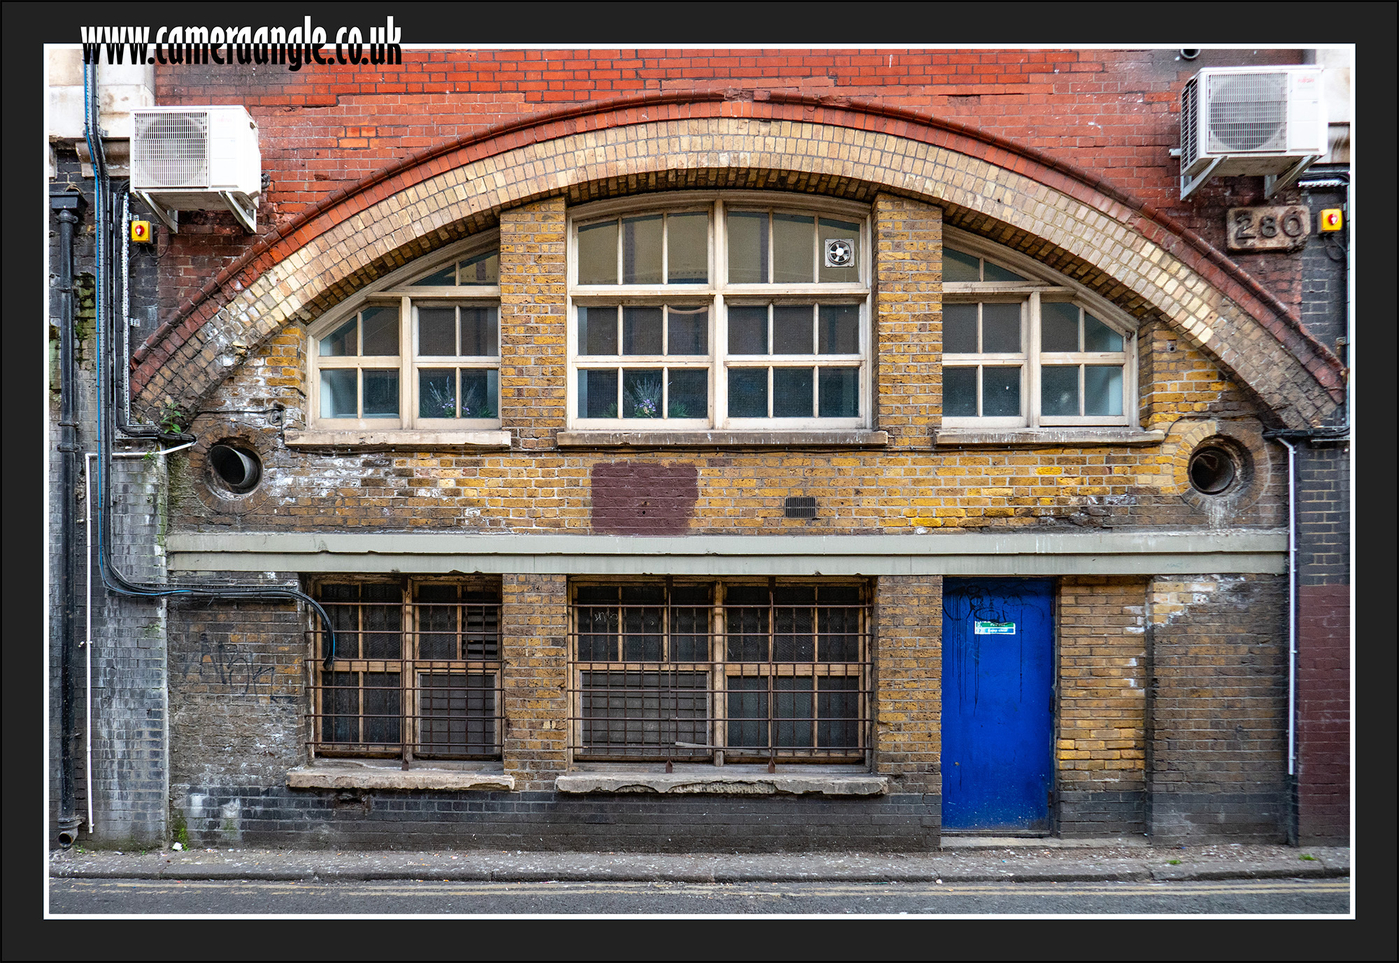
644	398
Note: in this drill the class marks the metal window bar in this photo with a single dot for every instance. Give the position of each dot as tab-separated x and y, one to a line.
416	673
715	673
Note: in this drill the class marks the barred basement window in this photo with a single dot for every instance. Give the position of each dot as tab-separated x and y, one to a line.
721	672
414	671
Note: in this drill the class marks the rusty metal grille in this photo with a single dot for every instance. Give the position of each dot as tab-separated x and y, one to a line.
414	671
721	672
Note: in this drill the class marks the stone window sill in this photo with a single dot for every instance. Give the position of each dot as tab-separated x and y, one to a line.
1043	437
415	440
352	776
836	438
727	780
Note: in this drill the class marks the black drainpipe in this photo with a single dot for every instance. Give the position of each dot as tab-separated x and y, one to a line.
67	204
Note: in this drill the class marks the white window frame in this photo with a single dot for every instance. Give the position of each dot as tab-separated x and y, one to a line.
398	290
1040	287
719	295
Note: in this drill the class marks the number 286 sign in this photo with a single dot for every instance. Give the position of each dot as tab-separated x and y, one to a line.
1269	228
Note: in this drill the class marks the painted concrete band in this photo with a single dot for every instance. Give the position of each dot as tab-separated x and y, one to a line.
1092	553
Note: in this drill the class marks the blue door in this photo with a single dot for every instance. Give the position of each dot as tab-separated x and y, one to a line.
997	703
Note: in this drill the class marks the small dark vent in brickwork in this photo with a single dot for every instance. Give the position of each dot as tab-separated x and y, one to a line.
800	506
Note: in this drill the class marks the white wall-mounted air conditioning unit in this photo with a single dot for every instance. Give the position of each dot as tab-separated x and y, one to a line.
197	159
1251	120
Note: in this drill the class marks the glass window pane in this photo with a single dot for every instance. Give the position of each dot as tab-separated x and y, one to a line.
1098	336
641	330
597	253
1102	390
959	392
791	392
839	390
381	394
688	395
338	393
794	252
341	342
641	250
838	329
437	332
958	266
847	231
1000	392
479	330
687	248
1000	329
480	388
748	247
380	327
748	330
837	713
994	272
791	328
446	277
688	330
959	329
748	392
1058	326
792	705
641	393
437	393
482	269
381	707
597	394
747	710
1059	390
597	331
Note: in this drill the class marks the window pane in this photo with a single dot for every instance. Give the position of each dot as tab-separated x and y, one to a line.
688	330
958	266
479	332
447	277
748	330
641	330
641	393
380	331
597	331
792	702
480	388
746	623
438	622
1000	392
1098	336
381	394
597	253
688	395
791	392
382	704
793	241
791	328
340	703
1102	390
747	706
839	393
748	392
687	250
959	329
437	393
597	394
838	329
845	231
641	250
837	714
1058	326
959	392
1000	328
994	272
748	247
338	393
341	342
437	332
482	269
1059	390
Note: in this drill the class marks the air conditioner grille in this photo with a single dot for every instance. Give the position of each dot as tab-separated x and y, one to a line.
1247	112
172	149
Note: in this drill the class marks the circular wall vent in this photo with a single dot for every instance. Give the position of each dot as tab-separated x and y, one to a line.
235	468
1213	470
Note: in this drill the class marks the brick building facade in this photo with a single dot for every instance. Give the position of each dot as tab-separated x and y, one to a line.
683	450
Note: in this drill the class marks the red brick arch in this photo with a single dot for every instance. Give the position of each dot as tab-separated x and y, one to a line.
1132	254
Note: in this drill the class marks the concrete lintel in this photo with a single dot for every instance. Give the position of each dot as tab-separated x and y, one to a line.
836	438
721	783
354	777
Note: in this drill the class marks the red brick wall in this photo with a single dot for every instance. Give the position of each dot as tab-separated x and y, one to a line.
1323	712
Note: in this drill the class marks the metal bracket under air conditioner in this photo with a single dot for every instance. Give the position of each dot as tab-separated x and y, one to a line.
1188	184
246	214
1272	183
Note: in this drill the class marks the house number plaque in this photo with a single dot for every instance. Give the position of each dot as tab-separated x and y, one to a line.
1269	228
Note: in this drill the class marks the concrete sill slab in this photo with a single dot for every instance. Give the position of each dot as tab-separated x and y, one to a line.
376	777
1043	437
408	440
720	783
834	438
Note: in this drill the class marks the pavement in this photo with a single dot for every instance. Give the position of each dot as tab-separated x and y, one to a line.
961	860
